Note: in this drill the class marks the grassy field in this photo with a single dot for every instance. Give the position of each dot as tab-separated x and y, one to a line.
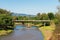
3	32
47	32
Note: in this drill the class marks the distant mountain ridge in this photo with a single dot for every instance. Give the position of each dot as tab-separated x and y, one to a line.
21	14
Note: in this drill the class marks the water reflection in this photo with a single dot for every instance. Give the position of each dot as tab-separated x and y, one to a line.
23	33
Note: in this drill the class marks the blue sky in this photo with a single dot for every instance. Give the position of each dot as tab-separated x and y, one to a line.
29	6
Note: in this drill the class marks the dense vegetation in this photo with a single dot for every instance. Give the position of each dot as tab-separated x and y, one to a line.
5	19
41	16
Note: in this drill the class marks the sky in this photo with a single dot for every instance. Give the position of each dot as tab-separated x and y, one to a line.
29	6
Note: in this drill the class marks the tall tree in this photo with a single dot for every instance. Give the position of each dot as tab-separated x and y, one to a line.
44	16
38	16
51	16
5	18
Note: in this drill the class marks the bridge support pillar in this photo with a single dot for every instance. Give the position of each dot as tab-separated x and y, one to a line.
44	24
23	23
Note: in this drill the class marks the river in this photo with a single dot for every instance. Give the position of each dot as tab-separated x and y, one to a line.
23	33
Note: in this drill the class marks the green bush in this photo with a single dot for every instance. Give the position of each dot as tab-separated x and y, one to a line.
56	21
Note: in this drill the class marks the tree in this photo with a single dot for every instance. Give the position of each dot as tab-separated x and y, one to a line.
57	18
44	16
51	16
15	18
59	0
38	16
5	18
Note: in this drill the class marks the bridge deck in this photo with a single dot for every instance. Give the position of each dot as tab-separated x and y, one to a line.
31	20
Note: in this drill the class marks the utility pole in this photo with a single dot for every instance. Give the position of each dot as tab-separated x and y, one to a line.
58	7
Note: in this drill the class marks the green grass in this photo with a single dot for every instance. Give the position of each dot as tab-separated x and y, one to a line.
48	28
3	32
44	30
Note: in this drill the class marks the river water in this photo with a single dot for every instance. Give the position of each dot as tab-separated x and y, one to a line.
23	33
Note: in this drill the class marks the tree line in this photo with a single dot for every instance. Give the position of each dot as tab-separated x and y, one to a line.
6	18
41	16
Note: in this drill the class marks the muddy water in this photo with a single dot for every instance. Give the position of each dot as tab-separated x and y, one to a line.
23	33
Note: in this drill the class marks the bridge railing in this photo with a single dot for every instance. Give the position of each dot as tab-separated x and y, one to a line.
31	20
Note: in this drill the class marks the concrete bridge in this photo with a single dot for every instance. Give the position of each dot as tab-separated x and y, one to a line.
27	21
31	20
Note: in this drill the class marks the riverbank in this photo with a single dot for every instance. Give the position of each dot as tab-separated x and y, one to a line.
4	32
47	31
56	33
